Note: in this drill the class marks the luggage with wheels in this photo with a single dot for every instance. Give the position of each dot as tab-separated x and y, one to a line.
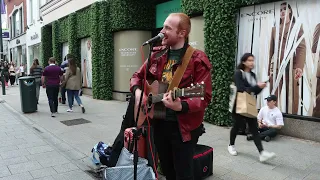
202	162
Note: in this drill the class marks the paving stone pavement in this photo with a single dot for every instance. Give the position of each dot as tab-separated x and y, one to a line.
36	146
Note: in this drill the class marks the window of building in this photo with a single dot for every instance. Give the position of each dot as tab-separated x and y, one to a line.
17	23
31	18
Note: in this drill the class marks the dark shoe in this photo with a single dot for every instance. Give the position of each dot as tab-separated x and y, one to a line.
249	137
83	110
267	138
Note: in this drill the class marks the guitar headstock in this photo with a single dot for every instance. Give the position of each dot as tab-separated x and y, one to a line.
197	90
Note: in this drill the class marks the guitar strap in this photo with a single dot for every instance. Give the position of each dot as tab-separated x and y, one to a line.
181	69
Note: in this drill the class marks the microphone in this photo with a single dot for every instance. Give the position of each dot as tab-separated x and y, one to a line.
154	39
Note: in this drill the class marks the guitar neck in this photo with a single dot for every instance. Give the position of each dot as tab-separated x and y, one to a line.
158	98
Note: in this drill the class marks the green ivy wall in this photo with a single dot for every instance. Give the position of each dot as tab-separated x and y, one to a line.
98	21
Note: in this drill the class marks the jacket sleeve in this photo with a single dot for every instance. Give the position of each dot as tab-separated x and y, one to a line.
202	73
137	77
300	52
316	36
239	82
271	52
315	41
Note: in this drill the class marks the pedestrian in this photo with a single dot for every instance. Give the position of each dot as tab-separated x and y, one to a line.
36	71
12	74
73	84
245	81
51	79
64	67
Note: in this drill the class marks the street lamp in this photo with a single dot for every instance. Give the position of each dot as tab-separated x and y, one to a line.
1	54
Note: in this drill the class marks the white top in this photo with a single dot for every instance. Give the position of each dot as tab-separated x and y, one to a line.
270	116
250	78
21	69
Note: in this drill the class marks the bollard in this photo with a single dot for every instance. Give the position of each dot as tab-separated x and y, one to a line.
3	84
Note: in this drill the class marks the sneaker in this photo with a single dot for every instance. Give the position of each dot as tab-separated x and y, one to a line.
267	138
265	156
249	137
69	110
53	115
232	150
83	110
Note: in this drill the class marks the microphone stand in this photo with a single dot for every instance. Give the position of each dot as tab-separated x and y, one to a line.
138	131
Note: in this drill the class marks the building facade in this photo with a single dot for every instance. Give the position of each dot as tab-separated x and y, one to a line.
17	18
33	35
58	11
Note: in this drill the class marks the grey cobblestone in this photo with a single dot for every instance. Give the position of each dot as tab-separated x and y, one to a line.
24	167
40	173
4	171
22	176
40	149
65	168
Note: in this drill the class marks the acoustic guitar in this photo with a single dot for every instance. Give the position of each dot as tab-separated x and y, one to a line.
152	99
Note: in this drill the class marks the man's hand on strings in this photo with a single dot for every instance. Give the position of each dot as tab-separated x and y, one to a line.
169	103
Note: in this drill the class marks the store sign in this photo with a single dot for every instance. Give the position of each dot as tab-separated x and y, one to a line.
164	9
128	51
5	35
35	36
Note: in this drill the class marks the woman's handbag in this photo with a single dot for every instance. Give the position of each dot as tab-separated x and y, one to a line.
246	105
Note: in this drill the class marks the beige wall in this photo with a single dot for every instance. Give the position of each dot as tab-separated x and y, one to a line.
127	56
196	36
57	9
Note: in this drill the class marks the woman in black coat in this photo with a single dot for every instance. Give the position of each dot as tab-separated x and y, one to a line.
245	81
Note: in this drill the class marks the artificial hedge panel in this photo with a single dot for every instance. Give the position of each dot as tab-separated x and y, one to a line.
56	45
220	45
72	38
46	45
84	23
192	7
95	36
132	14
63	30
106	52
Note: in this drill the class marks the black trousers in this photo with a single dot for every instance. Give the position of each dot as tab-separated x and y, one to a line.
176	156
238	122
271	132
63	94
12	80
52	94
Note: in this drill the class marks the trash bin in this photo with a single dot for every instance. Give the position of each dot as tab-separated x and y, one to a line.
28	94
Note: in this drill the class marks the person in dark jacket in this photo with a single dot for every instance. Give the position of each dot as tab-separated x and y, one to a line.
245	80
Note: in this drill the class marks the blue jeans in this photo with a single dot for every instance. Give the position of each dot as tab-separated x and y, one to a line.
73	94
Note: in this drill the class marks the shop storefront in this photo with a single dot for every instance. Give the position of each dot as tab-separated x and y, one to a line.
33	44
17	48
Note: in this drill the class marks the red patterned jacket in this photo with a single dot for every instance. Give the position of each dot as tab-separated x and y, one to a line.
198	70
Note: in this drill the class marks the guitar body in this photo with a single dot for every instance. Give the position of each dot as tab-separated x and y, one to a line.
155	110
152	105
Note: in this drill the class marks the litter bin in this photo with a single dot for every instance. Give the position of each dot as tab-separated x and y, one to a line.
28	94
